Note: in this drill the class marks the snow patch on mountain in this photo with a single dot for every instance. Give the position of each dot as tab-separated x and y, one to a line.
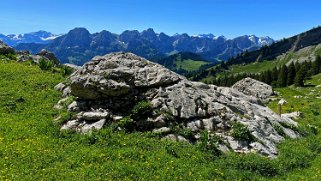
52	37
265	41
210	36
261	41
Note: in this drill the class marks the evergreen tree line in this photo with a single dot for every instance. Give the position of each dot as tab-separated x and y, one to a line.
295	73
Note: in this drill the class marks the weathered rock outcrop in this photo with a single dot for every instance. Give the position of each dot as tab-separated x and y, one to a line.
49	55
24	56
254	88
43	55
5	49
107	87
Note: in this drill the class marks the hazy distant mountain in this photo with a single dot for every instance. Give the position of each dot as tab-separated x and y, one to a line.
41	37
79	46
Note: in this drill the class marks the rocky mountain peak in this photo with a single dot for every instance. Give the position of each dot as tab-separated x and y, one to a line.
104	38
75	37
129	35
108	87
149	34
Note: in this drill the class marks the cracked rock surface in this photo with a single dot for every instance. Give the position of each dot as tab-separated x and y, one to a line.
107	87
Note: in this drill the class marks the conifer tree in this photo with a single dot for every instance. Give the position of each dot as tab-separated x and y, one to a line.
308	69
261	77
291	74
282	77
268	77
299	77
223	65
275	74
316	65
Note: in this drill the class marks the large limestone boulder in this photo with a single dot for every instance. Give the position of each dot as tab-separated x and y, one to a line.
254	88
107	88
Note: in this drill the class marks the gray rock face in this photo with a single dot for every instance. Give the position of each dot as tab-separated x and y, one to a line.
113	83
254	88
118	74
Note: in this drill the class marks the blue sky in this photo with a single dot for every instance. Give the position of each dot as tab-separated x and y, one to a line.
231	18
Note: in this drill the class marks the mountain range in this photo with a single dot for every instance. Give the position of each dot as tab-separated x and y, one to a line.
79	45
40	37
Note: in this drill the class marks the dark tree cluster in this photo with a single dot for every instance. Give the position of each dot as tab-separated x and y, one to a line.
277	77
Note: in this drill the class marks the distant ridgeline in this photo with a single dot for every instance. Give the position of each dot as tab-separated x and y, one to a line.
78	45
289	61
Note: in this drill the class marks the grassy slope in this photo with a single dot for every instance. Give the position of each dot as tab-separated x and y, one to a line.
310	105
281	60
256	67
33	148
189	65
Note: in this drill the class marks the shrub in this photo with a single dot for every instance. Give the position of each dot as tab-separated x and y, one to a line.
210	143
11	56
187	133
313	129
141	109
293	127
46	64
254	163
65	70
127	123
278	129
10	106
241	132
171	150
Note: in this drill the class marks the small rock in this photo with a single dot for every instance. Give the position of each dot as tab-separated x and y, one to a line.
60	103
70	125
60	87
96	125
162	130
66	92
182	139
73	107
171	137
117	118
92	116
